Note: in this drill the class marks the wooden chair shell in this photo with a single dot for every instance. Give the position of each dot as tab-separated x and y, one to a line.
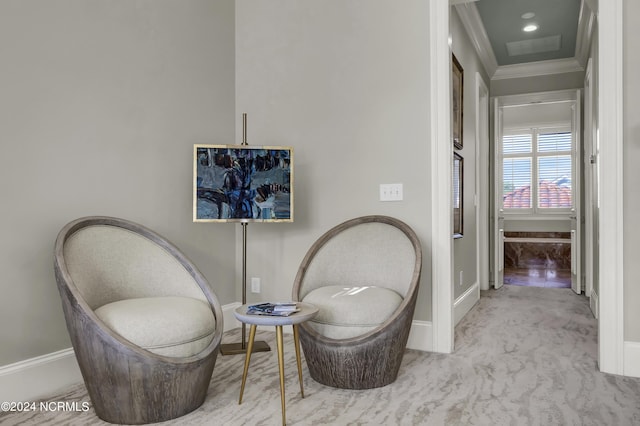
128	384
371	359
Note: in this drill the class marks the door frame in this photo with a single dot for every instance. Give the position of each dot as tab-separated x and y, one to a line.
497	224
610	66
441	185
611	227
590	178
482	182
500	219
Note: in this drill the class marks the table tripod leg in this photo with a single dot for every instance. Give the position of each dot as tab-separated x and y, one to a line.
296	342
281	368
247	358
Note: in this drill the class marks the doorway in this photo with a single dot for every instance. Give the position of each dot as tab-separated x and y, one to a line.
537	187
610	107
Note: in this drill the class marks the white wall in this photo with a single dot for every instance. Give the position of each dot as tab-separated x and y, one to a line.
537	115
345	83
100	105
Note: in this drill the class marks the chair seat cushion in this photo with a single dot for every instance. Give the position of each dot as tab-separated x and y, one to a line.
169	326
346	312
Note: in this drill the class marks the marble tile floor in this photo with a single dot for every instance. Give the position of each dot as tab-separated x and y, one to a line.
523	356
538	277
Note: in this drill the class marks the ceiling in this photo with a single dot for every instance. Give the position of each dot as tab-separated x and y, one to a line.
557	22
496	28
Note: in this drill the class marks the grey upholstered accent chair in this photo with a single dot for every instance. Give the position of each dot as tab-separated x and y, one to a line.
144	324
363	276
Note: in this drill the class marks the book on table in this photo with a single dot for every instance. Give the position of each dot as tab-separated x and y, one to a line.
281	309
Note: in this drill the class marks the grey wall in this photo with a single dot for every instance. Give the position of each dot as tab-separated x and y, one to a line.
543	83
464	249
631	150
101	103
346	83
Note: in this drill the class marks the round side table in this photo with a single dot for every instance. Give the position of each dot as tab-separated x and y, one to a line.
306	312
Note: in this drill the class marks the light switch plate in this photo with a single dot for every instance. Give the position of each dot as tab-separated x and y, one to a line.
255	285
391	192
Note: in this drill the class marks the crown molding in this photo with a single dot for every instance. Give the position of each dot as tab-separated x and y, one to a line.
534	69
593	5
457	2
585	30
474	26
468	13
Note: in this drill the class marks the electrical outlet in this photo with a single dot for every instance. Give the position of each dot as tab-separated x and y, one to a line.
255	285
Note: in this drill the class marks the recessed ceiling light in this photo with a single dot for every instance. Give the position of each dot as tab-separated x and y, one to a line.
528	15
529	28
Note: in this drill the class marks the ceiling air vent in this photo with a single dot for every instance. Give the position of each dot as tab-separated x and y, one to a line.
534	45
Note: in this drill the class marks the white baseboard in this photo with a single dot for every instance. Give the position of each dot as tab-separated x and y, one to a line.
42	376
421	336
31	379
465	302
230	321
593	303
632	359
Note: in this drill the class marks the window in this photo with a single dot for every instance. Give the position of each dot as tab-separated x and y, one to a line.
543	156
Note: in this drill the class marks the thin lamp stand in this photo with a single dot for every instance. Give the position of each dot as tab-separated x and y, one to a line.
241	348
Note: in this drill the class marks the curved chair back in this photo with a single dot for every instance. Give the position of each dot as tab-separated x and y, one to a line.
109	261
378	251
100	260
369	251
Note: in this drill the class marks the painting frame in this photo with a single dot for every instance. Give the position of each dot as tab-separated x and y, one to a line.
242	183
458	195
457	102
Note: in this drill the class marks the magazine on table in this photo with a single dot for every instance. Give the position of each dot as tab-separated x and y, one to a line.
280	309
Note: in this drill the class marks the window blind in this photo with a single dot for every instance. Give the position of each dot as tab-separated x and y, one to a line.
557	141
554	170
516	183
545	158
517	171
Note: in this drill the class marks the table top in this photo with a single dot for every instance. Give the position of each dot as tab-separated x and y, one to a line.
306	312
